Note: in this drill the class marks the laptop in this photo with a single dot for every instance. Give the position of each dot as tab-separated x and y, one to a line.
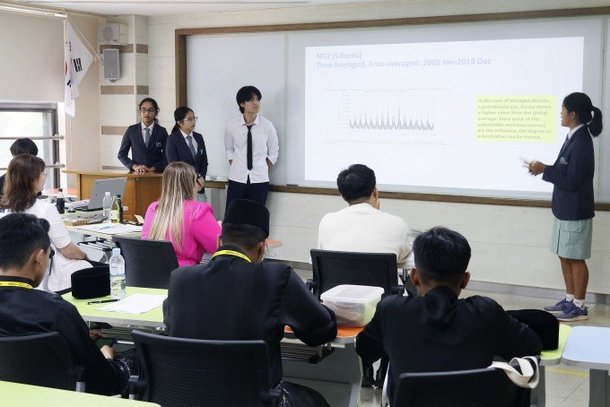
115	186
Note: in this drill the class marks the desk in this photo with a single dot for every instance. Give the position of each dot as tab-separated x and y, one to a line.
589	347
549	358
105	231
338	377
140	191
151	320
26	395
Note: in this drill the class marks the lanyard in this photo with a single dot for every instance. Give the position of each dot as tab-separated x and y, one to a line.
15	284
232	253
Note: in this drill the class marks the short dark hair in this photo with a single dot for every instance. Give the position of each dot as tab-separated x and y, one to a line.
245	94
24	146
357	181
20	235
247	237
441	255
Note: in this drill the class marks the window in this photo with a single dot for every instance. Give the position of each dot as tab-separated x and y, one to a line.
37	122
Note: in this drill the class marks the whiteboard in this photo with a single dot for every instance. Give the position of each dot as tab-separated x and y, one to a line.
275	62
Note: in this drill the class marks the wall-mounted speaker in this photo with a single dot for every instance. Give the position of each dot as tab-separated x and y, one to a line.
112	64
112	34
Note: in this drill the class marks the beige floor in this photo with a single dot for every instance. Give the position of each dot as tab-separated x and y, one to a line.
565	386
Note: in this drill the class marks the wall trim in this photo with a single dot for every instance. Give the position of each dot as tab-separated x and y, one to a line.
127	49
113	130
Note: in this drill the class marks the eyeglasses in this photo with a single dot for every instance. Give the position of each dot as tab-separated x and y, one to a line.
190	119
151	111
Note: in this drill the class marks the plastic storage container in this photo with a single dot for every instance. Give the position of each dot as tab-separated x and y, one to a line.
354	305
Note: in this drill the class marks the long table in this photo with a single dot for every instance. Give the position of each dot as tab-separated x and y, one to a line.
26	395
336	376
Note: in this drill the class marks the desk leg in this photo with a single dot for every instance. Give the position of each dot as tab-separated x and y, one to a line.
338	377
598	388
538	395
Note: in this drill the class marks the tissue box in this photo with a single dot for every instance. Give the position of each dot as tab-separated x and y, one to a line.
354	305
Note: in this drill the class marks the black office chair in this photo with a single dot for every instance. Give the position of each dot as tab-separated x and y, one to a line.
181	372
41	359
464	388
148	263
332	268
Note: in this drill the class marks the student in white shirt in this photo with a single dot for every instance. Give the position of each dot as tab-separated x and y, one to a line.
25	178
250	161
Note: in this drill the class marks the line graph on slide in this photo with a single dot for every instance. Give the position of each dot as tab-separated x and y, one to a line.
388	111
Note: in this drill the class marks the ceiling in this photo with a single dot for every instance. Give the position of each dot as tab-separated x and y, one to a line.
174	7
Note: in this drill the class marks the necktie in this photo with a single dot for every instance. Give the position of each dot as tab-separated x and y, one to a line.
189	139
249	147
146	136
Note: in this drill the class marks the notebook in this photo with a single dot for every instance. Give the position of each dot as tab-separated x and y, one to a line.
115	186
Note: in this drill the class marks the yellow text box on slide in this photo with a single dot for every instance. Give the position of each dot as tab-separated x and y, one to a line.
523	119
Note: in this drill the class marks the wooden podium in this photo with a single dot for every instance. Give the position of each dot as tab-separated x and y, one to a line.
140	191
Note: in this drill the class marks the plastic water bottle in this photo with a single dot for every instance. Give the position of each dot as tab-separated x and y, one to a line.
106	206
117	274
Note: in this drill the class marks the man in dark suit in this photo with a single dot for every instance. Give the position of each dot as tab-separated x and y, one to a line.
436	331
146	140
236	296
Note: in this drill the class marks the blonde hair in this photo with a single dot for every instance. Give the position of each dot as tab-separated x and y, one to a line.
178	184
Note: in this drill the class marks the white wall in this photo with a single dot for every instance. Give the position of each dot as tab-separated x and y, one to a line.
82	147
509	243
31	69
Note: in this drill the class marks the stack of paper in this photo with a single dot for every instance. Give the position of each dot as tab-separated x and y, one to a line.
136	304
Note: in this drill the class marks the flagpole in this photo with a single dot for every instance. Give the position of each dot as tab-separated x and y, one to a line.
92	50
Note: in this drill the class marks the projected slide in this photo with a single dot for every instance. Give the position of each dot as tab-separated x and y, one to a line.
451	115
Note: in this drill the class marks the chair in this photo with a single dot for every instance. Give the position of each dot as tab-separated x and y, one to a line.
148	263
332	268
464	388
40	359
181	372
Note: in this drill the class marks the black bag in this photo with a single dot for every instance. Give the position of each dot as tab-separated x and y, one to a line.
91	282
543	323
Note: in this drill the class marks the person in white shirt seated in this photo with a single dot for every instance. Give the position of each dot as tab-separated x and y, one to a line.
362	227
25	178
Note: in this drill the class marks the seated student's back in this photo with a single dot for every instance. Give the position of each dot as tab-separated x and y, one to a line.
189	225
436	331
236	296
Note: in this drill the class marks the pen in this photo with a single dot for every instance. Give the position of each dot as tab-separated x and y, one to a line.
102	301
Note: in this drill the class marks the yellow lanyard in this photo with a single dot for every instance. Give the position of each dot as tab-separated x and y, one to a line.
15	284
232	253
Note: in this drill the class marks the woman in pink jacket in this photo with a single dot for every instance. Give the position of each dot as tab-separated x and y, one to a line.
190	225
